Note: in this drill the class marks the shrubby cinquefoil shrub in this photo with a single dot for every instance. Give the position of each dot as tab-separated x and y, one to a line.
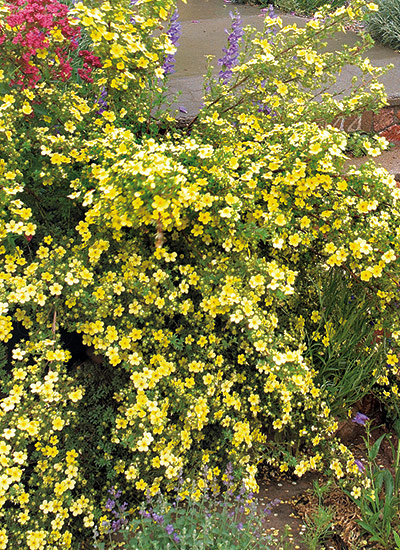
179	256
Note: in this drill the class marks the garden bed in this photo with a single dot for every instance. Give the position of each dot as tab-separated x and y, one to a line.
237	288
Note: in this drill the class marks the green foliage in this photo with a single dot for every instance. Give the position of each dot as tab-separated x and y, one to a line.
384	24
225	521
306	7
358	143
344	345
380	503
319	527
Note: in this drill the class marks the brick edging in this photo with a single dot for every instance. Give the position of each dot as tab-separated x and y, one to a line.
385	122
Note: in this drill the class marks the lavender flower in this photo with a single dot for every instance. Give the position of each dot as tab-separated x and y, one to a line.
230	59
102	101
359	465
169	528
158	518
114	493
117	524
360	419
174	32
110	504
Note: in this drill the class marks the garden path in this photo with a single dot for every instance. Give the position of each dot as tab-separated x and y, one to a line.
203	33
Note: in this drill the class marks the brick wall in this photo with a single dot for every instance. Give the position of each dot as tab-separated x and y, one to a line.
385	122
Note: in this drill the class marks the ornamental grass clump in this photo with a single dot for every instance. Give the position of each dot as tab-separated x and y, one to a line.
179	258
383	24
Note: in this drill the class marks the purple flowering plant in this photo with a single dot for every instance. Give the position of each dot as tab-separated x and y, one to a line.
173	33
231	54
227	519
360	419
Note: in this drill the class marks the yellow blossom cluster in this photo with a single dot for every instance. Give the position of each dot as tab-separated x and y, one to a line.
179	261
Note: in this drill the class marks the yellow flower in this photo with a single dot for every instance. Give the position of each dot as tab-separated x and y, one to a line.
294	240
281	88
55	289
280	220
233	163
365	275
76	395
58	423
315	148
356	492
26	108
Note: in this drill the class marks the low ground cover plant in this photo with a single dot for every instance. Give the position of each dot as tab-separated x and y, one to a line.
182	258
299	7
217	519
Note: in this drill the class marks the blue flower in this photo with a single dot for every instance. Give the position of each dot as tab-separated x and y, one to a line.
360	419
174	33
230	59
110	504
359	465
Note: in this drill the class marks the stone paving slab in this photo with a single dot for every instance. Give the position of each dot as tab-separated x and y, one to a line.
389	159
283	514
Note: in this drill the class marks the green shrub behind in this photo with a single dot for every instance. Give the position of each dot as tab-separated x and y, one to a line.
384	24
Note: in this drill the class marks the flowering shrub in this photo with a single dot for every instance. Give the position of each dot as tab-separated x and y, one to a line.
43	46
179	257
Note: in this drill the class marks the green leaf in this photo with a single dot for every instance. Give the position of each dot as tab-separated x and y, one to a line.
396	427
389	484
367	527
375	447
378	481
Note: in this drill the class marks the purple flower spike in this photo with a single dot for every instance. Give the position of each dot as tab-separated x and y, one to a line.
230	59
359	465
176	538
158	518
102	101
360	419
240	526
174	32
170	529
110	504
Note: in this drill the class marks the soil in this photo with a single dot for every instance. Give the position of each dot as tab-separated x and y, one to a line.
296	500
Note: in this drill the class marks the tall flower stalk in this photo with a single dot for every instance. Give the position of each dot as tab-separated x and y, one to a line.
174	32
230	59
